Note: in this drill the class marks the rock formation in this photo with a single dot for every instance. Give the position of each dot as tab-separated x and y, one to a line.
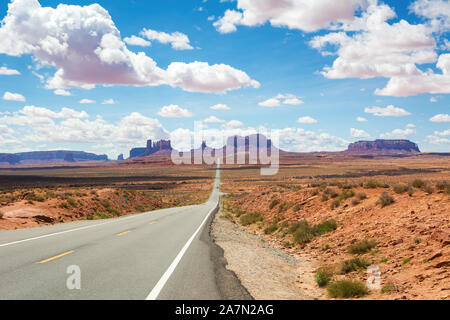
46	157
120	157
162	147
383	147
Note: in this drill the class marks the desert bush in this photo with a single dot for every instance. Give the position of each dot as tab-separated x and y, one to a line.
106	203
93	192
297	207
362	246
361	196
239	212
354	265
274	203
285	206
1	215
442	185
335	204
315	192
385	199
346	194
411	191
297	188
418	183
304	232
400	188
428	188
271	229
71	202
323	276
100	216
355	202
114	212
389	288
324	198
373	184
251	218
325	227
331	192
347	289
64	205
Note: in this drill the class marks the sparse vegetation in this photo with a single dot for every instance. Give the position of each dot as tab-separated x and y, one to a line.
72	202
354	265
251	218
335	204
331	192
271	229
1	215
389	288
139	208
323	276
362	247
303	232
347	289
418	184
400	188
274	203
385	199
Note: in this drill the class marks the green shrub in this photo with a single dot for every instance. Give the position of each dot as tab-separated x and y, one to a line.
335	204
361	247
64	205
323	276
385	199
428	188
303	235
106	203
325	227
274	203
324	198
406	260
331	192
297	207
354	265
372	184
114	212
418	183
346	194
400	188
285	206
100	216
271	229
296	225
251	218
361	196
389	288
347	289
71	202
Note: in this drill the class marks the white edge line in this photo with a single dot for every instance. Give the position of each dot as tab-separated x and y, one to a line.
153	295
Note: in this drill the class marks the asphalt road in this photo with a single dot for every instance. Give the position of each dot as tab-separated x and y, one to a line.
156	255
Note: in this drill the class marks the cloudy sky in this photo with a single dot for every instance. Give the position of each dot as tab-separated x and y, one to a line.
104	76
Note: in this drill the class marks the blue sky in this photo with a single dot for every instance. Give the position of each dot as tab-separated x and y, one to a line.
270	75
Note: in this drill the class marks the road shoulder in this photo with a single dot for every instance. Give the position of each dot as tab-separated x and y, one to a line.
268	273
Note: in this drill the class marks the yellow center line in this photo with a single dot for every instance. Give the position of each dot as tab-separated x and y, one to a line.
123	233
55	257
153	222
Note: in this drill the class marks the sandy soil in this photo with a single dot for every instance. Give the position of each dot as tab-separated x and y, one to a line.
266	272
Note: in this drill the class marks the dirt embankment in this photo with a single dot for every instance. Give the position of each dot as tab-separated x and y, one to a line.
407	233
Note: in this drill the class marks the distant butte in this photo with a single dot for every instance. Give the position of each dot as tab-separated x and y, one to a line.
383	147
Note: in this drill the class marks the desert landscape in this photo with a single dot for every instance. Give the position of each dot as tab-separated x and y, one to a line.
317	225
345	213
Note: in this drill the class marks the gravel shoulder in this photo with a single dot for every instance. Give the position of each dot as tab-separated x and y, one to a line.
267	272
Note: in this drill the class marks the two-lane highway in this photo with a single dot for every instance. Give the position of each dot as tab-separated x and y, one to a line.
154	255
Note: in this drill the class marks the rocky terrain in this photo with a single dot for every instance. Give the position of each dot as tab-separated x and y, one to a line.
399	224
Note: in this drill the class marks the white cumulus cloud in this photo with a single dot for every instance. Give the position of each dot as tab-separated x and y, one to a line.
174	111
85	47
389	111
440	118
307	120
359	134
13	97
4	71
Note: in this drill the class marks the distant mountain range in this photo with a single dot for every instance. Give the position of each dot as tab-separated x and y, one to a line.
48	157
237	143
254	142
